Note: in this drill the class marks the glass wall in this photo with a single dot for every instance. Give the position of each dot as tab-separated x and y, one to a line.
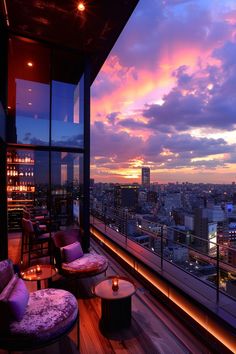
66	188
27	184
2	123
45	134
28	92
66	91
43	82
67	130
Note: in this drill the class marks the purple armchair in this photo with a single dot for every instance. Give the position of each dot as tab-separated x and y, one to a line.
70	259
32	320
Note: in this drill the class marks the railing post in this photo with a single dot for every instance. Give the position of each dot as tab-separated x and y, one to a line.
161	247
217	273
105	219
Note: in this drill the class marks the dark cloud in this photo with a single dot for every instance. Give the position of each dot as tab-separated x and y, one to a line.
120	146
115	150
112	117
192	103
155	28
69	141
176	2
184	147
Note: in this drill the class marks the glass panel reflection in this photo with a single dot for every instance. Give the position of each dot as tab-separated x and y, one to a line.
66	188
28	92
32	112
67	129
27	185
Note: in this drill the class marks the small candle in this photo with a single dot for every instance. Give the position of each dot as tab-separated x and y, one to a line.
38	269
115	284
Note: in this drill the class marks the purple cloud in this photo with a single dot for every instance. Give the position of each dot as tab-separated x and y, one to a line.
202	96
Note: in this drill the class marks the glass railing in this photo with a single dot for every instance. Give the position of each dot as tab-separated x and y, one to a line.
204	260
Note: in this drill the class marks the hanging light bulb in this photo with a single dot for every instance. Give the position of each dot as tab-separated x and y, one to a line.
81	6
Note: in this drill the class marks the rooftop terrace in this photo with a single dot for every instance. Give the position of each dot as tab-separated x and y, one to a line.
154	328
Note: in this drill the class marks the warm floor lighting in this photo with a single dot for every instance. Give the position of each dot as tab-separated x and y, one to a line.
193	311
81	6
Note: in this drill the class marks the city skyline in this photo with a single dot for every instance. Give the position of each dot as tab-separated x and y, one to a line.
165	97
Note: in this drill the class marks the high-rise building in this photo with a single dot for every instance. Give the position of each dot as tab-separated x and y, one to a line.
126	196
205	231
146	177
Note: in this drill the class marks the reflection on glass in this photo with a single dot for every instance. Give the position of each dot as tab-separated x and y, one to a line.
32	112
28	92
66	189
67	129
27	184
2	123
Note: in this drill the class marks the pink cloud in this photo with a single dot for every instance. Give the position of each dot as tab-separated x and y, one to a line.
141	94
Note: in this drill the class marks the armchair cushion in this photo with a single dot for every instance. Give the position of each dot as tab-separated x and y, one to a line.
50	313
72	252
39	318
18	300
88	265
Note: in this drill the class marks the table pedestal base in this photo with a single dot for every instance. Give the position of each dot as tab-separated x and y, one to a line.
116	314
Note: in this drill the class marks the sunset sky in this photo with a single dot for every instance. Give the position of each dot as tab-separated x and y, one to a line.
166	96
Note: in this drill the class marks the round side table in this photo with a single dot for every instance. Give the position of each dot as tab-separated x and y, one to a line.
47	272
116	306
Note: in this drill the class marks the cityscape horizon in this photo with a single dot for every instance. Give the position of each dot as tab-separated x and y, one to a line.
160	182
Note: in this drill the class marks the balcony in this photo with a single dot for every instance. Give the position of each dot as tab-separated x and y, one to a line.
154	326
193	285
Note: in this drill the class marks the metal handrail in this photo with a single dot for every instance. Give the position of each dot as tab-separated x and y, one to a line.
210	259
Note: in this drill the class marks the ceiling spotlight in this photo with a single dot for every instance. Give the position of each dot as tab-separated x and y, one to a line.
30	63
81	6
29	103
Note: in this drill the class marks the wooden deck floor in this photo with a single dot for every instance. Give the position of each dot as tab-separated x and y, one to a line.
153	329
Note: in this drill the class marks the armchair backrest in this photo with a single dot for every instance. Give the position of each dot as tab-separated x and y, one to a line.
6	273
27	226
62	239
7	282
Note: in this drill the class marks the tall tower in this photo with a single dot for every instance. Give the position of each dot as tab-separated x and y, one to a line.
146	177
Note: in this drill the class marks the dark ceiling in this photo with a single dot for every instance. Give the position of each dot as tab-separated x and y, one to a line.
92	32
